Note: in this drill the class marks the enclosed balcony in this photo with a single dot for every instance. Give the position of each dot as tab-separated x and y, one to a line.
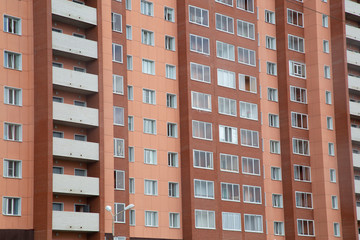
354	83
76	116
353	58
68	149
75	185
74	81
75	221
352	9
356	160
73	13
74	47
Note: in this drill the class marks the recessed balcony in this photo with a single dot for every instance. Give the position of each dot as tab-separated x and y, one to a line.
75	185
352	9
75	221
77	116
73	13
74	47
73	150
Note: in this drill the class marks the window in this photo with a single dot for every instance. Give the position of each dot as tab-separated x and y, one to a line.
248	110
128	32
305	227
279	228
58	206
200	72
225	51
131	123
249	138
277	201
331	149
333	175
12	25
12	60
150	156
202	130
149	96
117	53
245	29
56	64
296	43
78	35
174	220
173	189
269	17
271	68
326	47
129	62
228	134
119	147
170	71
250	166
227	106
119	180
226	78
132	217
56	30
327	97
79	103
199	16
295	18
297	69
325	20
302	173
270	43
253	223
119	116
172	130
147	8
224	23
231	221
274	146
80	137
119	216
246	56
172	159
252	194
151	219
12	168
131	185
169	14
230	192
298	94
204	219
12	96
247	83
169	43
273	120
130	92
327	72
58	134
12	132
150	187
203	159
11	206
171	101
275	173
118	84
80	172
201	101
229	163
334	202
299	120
128	7
246	5
131	154
226	2
148	66
329	123
199	44
147	37
300	147
58	170
303	200
203	189
116	22
336	229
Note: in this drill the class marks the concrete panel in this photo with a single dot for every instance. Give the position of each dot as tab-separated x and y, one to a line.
355	134
354	83
75	150
75	221
356	160
77	185
75	115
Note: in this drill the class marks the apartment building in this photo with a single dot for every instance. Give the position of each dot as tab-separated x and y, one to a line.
217	119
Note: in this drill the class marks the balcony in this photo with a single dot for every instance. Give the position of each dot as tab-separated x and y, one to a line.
74	47
356	160
73	13
355	134
76	116
74	81
354	83
354	109
353	34
75	185
353	9
75	221
68	149
357	186
358	213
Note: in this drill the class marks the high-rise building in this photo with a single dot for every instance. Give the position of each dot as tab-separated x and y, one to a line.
217	119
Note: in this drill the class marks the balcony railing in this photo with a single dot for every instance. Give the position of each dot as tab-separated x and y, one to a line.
354	82
353	33
356	160
357	186
355	134
353	57
75	221
69	149
352	8
354	108
75	185
73	115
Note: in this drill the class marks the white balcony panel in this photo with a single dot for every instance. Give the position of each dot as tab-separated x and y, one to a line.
352	8
76	185
354	83
358	213
353	58
73	115
355	134
73	13
353	32
74	47
75	81
75	221
357	186
356	160
69	149
354	108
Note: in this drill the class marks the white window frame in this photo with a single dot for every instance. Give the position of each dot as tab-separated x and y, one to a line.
118	145
250	191
254	162
207	160
199	20
208	185
16	171
202	69
205	126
